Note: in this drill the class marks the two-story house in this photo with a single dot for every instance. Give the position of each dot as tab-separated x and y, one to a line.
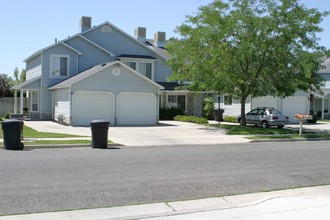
101	72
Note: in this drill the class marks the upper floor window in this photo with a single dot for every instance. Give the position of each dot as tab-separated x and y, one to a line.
145	68
59	65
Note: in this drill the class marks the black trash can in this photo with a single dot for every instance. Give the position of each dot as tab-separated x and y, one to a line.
12	134
99	133
218	114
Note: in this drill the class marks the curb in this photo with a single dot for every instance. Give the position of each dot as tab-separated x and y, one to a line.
175	208
290	140
66	146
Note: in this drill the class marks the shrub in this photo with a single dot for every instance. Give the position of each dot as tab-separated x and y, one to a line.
313	120
6	115
229	118
169	113
208	108
192	119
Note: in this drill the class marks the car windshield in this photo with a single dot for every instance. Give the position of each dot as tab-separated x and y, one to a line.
274	111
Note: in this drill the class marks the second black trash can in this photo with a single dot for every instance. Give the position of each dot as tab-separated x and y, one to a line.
99	129
12	134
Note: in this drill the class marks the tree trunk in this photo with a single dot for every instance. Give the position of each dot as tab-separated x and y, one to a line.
243	119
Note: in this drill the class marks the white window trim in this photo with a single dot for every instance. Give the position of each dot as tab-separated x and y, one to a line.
51	64
177	94
232	100
31	100
138	61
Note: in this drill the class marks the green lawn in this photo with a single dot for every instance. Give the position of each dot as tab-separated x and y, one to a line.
252	130
31	133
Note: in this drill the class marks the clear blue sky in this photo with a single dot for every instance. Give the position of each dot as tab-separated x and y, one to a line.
27	26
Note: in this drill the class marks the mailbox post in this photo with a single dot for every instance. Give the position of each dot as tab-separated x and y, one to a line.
301	118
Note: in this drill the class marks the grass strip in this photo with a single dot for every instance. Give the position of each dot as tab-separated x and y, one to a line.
252	130
31	133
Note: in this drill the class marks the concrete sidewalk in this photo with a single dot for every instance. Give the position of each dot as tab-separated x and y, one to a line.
303	203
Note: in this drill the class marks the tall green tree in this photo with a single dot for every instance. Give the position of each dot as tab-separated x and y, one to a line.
19	77
249	48
5	84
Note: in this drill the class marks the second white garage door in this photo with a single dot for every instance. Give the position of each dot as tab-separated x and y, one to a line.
136	108
89	106
295	105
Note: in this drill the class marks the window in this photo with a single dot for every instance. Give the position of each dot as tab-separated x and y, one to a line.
59	65
34	104
145	69
172	99
228	100
131	64
176	101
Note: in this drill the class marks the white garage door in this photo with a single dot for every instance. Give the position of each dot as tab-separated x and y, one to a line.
294	105
265	101
136	108
87	106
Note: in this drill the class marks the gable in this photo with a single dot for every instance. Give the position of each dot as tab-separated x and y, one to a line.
117	41
126	77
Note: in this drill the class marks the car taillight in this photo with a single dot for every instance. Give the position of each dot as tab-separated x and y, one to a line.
274	117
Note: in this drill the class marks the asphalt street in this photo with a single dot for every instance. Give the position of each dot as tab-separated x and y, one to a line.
63	179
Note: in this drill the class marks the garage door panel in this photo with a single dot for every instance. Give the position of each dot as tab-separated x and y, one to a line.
89	106
136	108
295	105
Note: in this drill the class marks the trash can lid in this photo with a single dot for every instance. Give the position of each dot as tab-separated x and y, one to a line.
8	121
99	121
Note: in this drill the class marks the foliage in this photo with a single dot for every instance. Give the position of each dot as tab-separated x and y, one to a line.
5	85
19	77
6	115
229	118
208	108
313	120
238	47
169	113
192	119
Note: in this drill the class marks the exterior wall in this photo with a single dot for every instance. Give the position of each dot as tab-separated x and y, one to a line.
126	45
107	82
234	109
91	55
162	71
32	67
33	73
47	81
61	105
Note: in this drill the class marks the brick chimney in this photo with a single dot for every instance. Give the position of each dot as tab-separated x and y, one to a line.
85	23
140	34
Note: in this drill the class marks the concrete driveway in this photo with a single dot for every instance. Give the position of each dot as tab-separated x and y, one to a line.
164	134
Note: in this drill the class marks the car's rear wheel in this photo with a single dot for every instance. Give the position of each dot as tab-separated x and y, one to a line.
280	126
264	124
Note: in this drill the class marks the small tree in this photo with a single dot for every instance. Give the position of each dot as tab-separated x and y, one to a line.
208	108
249	48
4	86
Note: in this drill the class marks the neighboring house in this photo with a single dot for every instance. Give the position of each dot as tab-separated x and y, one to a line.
103	72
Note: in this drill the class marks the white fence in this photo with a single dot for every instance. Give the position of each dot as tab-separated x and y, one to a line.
7	105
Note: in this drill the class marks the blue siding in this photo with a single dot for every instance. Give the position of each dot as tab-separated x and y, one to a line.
91	55
36	61
47	81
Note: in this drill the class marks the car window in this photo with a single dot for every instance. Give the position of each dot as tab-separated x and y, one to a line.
261	112
274	111
253	112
